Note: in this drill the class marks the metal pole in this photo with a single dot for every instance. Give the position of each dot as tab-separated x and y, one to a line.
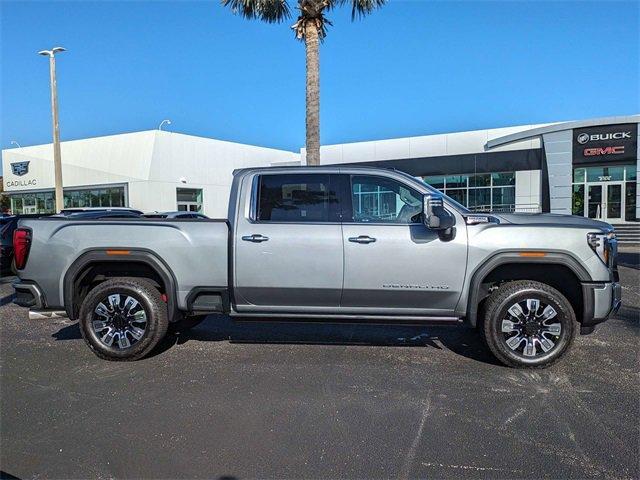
57	161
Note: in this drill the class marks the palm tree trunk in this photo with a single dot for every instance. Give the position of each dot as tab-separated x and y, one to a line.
312	44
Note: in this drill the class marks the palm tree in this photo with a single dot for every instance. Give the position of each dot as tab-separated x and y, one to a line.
311	27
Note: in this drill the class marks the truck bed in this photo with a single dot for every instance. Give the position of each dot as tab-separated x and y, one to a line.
195	251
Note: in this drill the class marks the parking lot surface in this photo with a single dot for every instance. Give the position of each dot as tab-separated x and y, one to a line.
294	400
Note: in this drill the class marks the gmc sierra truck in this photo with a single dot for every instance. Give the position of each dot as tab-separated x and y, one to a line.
348	243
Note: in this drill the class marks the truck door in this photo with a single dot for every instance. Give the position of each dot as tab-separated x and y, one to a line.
288	249
392	260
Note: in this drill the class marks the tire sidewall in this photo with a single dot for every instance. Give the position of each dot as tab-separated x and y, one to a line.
155	310
548	295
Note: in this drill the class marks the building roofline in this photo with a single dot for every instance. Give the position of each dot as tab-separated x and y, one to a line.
557	127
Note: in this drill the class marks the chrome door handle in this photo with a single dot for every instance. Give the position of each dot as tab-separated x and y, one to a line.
362	239
256	237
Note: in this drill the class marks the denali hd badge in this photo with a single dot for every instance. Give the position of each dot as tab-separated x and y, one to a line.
20	168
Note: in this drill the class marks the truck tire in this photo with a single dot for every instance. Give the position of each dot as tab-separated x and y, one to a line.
123	319
528	324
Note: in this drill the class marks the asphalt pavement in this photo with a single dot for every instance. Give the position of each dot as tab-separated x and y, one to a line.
294	400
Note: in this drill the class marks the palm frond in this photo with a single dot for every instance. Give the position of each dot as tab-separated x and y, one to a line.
360	8
270	11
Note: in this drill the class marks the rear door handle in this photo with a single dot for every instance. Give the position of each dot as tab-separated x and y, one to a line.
362	239
256	237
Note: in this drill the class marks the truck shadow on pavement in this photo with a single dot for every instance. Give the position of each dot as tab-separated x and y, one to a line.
461	340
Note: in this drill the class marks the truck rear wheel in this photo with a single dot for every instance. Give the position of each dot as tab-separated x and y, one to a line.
528	324
123	319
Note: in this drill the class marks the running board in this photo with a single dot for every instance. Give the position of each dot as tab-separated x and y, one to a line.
355	318
46	314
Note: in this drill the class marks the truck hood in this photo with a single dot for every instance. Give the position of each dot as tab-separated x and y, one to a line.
552	219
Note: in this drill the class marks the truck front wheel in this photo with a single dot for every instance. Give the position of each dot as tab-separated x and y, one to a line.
123	319
528	324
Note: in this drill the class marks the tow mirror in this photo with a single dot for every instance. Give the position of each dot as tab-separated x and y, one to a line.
436	217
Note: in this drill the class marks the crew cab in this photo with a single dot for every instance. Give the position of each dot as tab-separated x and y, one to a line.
350	243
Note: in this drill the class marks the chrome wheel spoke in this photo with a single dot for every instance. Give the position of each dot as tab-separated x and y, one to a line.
102	310
136	332
123	341
530	347
130	304
545	343
552	328
114	302
139	316
109	337
99	325
508	326
533	304
515	341
548	313
516	311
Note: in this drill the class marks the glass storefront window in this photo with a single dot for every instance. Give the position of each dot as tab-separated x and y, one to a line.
456	181
480	180
577	200
459	195
484	191
44	202
480	199
189	199
605	174
508	178
602	191
435	181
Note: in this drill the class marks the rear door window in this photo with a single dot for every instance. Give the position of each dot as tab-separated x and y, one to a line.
298	198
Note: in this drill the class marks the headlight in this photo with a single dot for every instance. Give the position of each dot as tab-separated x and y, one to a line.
599	243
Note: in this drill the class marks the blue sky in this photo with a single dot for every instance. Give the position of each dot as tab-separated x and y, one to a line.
411	68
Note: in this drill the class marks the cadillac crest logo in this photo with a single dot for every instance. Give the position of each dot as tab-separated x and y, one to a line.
20	168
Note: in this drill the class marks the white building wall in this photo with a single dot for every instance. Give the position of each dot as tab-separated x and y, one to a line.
152	164
423	146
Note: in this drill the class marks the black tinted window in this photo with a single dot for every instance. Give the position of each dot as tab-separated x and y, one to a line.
297	198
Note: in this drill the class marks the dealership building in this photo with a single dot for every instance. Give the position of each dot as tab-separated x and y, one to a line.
587	168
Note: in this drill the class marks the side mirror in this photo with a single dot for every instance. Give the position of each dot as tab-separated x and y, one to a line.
436	216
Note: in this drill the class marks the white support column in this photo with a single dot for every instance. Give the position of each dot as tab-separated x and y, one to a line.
528	191
559	151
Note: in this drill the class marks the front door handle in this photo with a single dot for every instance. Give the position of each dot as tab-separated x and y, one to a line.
256	237
362	239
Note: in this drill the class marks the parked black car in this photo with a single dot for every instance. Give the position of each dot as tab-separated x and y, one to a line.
7	225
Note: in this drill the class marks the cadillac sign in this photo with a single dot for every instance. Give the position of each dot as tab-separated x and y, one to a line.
20	168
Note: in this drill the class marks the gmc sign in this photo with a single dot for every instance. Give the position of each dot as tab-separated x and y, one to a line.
607	143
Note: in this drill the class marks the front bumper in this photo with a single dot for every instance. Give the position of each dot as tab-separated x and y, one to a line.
601	301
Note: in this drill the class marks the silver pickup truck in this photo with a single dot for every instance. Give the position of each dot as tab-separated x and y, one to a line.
348	243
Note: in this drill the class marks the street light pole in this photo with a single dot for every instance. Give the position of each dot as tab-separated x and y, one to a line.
57	161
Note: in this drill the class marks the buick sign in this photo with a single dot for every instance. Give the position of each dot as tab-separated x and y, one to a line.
20	168
605	143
